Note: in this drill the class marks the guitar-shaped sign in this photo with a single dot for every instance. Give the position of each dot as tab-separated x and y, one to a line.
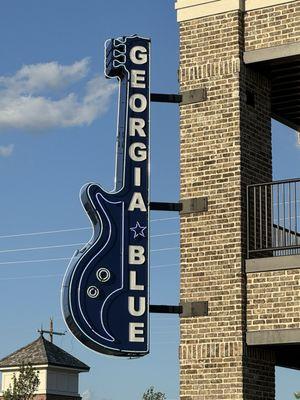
105	294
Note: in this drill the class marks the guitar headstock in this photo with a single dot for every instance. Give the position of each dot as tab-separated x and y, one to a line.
117	54
115	57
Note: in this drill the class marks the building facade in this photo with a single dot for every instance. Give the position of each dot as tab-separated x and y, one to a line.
241	255
58	370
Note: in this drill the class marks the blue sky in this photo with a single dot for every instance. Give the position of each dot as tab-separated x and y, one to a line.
60	135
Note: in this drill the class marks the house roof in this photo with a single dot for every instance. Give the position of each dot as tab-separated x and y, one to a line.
41	352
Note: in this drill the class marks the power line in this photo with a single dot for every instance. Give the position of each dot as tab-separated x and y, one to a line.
163	219
15	278
35	261
60	259
43	232
59	246
61	275
166	234
70	229
165	249
42	247
164	265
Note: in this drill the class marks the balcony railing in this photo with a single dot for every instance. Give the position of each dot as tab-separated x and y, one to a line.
273	218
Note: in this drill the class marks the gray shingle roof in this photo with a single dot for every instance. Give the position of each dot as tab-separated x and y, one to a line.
40	352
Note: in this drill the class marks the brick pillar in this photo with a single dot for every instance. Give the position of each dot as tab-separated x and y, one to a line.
225	145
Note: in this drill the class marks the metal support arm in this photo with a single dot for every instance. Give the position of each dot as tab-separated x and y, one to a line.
187	309
159	206
160	309
166	98
186	97
185	206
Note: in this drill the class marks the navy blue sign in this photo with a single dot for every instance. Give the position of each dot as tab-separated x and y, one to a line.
105	295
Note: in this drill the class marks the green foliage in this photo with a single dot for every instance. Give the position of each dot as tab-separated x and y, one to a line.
151	394
24	385
297	395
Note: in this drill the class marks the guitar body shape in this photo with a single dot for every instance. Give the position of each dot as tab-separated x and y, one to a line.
105	295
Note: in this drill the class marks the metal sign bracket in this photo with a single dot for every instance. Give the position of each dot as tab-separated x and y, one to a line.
186	206
184	98
186	309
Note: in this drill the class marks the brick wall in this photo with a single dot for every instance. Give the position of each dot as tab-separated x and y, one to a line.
272	26
259	374
273	300
225	144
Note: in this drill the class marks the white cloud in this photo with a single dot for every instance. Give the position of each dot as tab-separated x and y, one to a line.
87	395
24	105
6	151
37	77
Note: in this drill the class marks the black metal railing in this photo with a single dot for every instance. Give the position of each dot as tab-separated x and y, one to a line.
273	218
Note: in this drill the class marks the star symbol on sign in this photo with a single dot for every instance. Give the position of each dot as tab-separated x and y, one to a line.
138	230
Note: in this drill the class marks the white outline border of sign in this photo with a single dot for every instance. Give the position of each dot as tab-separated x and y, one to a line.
135	354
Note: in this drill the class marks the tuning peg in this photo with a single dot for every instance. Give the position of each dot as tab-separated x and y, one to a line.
119	42
115	57
121	48
117	63
118	53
